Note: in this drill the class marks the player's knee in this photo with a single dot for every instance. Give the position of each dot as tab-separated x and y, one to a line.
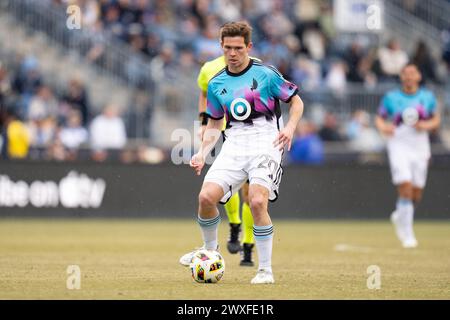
405	191
206	199
258	204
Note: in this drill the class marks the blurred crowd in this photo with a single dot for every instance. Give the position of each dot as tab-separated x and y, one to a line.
178	36
38	122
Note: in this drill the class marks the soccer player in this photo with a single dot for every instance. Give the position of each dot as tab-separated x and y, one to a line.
406	116
208	70
247	93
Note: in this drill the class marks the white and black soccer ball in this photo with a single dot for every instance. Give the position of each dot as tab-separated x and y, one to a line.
410	116
207	266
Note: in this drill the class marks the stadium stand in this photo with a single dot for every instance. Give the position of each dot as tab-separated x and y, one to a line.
143	56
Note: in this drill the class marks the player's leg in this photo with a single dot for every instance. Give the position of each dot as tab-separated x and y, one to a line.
263	232
208	215
232	210
419	177
405	213
417	195
208	218
401	171
248	240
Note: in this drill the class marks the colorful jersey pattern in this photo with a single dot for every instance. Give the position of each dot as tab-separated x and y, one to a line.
395	102
253	93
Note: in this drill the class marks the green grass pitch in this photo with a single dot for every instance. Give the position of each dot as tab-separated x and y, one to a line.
138	259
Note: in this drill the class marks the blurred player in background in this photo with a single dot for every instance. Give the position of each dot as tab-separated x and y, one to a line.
406	116
208	71
247	93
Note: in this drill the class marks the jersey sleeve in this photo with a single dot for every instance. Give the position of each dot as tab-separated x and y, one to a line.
213	107
202	80
384	109
280	88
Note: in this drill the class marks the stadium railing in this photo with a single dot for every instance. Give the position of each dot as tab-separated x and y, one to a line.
44	16
433	12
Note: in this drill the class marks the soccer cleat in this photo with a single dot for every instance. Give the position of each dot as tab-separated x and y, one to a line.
233	244
186	259
246	254
399	229
263	277
410	243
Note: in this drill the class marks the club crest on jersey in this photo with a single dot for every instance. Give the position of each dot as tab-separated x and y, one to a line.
240	109
410	116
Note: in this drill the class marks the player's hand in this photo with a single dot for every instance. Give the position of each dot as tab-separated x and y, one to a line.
284	138
197	162
388	129
201	132
421	126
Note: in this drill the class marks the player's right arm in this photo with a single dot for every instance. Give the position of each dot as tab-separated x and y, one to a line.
384	126
210	137
212	133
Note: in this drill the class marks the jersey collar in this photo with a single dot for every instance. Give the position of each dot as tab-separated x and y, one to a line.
239	73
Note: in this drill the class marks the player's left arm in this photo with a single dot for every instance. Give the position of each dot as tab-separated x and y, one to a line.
434	121
430	124
287	133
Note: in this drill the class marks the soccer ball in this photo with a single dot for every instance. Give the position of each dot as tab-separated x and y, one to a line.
207	266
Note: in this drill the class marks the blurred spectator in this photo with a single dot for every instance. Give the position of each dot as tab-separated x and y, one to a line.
392	59
5	85
315	43
423	59
77	98
107	130
336	79
446	47
307	148
43	132
27	82
353	58
43	105
362	136
42	115
229	10
330	129
206	45
90	12
306	73
73	134
56	151
138	115
15	136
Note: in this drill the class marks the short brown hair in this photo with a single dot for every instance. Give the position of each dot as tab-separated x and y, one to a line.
237	29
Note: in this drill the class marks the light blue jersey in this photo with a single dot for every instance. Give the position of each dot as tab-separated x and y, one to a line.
250	96
404	110
395	102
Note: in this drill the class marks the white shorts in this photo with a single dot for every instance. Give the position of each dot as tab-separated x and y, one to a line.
408	166
232	168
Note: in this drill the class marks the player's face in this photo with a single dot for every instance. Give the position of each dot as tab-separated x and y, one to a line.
410	77
236	52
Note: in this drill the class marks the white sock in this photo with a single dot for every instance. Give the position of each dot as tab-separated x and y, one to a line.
405	209
409	221
209	229
263	240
